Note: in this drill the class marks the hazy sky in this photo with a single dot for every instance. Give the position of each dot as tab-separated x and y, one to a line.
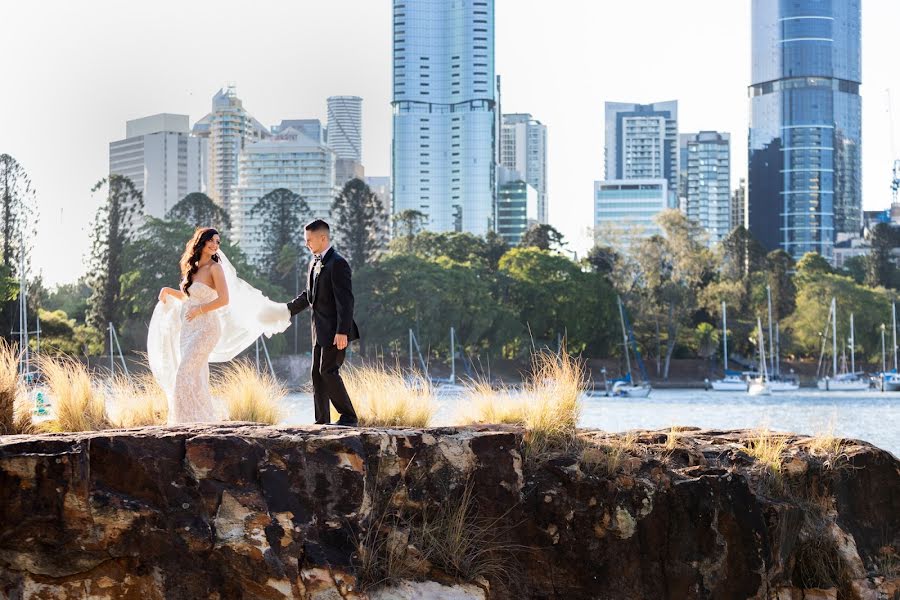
74	72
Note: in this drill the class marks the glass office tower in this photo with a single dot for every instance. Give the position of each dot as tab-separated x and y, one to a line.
805	124
445	123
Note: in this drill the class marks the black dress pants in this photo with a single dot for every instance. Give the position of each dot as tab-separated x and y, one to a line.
328	385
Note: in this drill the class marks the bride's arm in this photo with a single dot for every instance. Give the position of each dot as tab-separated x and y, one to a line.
167	291
218	275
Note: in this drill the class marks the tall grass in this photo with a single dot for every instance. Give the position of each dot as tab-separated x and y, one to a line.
137	401
248	394
608	456
549	405
15	410
384	397
78	404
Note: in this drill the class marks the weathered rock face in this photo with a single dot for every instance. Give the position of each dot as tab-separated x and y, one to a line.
245	511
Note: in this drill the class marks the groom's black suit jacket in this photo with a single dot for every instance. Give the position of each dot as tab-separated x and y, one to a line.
330	296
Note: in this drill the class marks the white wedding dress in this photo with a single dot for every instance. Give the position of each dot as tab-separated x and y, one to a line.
179	351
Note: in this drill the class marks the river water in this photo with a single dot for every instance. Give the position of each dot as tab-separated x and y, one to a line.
870	416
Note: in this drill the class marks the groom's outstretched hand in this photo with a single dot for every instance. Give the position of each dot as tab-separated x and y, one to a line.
340	340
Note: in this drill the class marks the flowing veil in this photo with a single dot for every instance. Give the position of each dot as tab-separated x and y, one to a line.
248	315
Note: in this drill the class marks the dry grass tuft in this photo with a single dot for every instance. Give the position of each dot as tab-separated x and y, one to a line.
548	406
15	409
78	404
463	544
137	401
484	404
609	455
828	447
767	448
384	397
248	394
404	541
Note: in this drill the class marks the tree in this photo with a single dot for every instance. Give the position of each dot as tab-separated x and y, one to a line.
70	298
742	254
407	224
62	335
358	217
856	267
670	271
114	227
198	210
280	215
812	264
779	265
602	259
17	226
543	237
879	267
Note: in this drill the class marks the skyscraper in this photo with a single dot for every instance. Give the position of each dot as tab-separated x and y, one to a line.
805	124
642	143
162	159
289	160
706	169
345	127
229	128
523	148
444	149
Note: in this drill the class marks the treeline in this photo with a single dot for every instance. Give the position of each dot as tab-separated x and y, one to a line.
501	301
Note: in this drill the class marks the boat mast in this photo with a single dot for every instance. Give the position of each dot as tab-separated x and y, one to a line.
764	375
834	336
624	336
852	347
894	333
725	336
771	337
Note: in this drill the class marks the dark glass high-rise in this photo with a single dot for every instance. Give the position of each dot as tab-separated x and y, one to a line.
805	124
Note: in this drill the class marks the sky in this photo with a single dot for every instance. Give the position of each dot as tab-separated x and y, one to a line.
74	72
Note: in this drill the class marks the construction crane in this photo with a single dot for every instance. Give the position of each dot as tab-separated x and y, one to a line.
895	182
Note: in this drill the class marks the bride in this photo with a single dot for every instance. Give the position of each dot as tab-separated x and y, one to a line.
211	318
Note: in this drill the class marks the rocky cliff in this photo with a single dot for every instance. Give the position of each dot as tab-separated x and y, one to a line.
246	511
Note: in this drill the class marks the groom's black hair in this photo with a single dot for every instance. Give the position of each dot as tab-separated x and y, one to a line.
317	225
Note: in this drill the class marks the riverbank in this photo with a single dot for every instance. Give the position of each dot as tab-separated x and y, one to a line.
240	510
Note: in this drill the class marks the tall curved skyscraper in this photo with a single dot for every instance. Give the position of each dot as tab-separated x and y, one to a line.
345	126
446	125
805	124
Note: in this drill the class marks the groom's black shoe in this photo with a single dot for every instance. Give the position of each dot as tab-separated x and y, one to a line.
346	422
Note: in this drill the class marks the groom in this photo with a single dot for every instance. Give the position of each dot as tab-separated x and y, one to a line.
329	295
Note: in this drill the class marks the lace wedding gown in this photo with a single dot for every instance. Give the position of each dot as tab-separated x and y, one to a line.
192	401
179	351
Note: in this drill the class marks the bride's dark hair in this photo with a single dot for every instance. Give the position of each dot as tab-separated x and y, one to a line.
191	258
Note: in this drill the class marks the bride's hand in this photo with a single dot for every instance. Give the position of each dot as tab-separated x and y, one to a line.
193	313
163	294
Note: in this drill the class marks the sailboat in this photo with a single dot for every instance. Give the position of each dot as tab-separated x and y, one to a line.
890	380
777	383
732	382
625	386
844	381
759	386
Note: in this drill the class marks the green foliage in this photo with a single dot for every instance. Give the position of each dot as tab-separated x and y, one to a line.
407	225
281	215
855	267
811	265
554	296
198	210
114	228
880	270
358	222
71	298
61	335
543	237
870	308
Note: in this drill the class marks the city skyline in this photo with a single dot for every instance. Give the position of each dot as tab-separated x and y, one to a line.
76	51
